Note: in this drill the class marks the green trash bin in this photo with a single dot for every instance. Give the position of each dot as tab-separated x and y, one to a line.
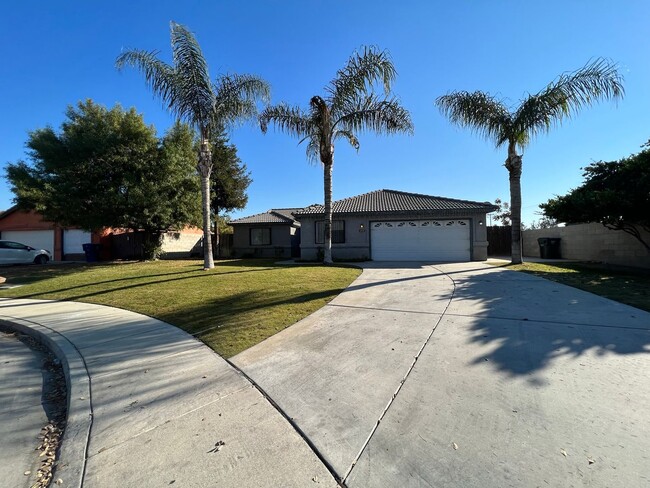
549	248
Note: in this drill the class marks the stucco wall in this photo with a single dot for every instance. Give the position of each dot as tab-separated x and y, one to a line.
357	239
591	242
280	246
181	244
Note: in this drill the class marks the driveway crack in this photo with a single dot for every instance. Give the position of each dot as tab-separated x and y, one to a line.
403	380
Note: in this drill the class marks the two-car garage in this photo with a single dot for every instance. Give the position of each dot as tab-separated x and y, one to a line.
29	228
391	225
420	240
38	239
73	239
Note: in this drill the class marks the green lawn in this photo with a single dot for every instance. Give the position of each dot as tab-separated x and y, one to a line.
629	287
242	302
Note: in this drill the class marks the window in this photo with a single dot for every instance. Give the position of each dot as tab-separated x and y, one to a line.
338	232
14	245
261	236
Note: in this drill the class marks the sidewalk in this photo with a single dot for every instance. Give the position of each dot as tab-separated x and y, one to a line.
149	405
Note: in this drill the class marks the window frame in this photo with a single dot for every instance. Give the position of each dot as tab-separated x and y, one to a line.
340	232
250	236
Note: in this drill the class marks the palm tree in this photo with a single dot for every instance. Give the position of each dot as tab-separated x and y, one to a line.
185	87
536	114
349	106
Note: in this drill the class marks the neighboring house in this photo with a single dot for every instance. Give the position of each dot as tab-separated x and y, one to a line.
272	234
28	227
65	243
389	225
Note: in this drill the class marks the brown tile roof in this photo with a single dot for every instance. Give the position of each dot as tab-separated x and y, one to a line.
392	201
273	216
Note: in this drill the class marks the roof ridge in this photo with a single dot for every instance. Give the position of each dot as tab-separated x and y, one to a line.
281	215
433	196
387	200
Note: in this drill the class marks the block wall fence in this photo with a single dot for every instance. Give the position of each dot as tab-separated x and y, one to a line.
592	242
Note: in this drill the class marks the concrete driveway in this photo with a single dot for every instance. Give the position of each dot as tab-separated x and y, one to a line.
465	375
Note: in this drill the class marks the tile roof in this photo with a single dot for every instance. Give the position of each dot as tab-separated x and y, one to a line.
393	201
273	216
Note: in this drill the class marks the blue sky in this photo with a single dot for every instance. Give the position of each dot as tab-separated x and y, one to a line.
56	53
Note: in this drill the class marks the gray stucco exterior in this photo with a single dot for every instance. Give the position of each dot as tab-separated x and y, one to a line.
358	243
283	236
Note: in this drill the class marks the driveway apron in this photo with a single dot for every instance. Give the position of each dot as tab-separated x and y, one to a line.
465	375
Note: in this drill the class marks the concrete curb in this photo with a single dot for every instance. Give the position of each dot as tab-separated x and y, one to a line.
71	464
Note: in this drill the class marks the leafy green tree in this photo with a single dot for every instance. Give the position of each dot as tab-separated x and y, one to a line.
185	87
536	114
616	194
502	214
107	168
350	106
230	180
543	222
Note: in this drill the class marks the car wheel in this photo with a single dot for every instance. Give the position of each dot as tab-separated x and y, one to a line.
41	259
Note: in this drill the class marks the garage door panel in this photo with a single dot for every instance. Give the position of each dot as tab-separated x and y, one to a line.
421	240
38	239
74	239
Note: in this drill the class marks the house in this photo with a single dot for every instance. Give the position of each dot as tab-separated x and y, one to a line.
65	243
389	225
29	227
271	234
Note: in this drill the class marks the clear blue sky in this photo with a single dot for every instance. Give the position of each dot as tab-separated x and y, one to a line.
56	53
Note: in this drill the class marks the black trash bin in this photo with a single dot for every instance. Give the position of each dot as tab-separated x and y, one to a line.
92	252
549	248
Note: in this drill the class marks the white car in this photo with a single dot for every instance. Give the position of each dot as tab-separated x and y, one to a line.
17	253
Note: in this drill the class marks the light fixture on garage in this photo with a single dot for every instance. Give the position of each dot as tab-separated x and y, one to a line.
362	227
480	222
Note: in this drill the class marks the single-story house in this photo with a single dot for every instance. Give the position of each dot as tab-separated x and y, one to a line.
271	234
28	227
65	243
389	225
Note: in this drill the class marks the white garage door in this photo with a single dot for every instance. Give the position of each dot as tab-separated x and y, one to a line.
38	239
420	240
73	241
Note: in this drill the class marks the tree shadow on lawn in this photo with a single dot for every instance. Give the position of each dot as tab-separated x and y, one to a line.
33	273
231	324
194	274
527	323
623	285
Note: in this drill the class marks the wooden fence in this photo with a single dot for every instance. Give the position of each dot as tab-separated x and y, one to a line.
500	240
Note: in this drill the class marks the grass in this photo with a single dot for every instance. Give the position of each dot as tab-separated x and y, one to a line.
629	287
231	308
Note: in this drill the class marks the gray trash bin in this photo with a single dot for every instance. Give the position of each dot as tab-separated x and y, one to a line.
549	247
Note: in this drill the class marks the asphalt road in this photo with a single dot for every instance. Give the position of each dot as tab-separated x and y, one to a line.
22	412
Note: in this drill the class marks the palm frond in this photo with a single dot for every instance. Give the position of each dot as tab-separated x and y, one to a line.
193	80
349	136
313	148
478	111
370	113
236	97
362	71
290	120
159	76
568	94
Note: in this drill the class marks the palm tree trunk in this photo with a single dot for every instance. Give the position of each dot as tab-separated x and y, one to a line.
327	184
205	169
514	166
216	233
